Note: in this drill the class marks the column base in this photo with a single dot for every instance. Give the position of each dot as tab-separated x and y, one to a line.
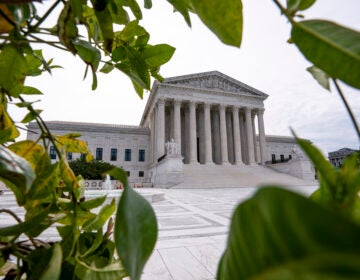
226	163
239	163
209	163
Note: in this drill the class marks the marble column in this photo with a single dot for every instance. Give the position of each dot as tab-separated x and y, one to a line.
223	136
237	141
254	136
249	135
177	123
192	132
207	128
262	136
161	128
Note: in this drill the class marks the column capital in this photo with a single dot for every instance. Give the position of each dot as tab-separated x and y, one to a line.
207	105
261	111
222	106
177	102
248	109
192	104
161	101
235	108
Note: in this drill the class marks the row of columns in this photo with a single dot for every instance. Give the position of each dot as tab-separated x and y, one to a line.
158	138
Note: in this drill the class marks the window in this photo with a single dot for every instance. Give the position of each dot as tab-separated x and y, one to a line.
141	173
273	158
290	156
99	154
127	154
52	152
82	156
282	158
141	155
128	173
69	156
113	154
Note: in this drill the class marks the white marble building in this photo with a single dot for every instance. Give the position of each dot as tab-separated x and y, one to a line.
205	119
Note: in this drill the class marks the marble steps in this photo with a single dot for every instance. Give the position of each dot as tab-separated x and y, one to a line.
230	176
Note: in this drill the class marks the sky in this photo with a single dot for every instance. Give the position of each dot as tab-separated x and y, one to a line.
264	61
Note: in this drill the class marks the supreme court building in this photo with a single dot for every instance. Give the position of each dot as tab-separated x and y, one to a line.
207	119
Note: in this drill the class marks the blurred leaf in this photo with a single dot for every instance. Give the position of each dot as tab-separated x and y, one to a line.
139	89
182	6
106	27
278	234
107	68
95	243
131	30
118	13
89	54
158	55
32	115
223	18
45	183
147	4
113	271
66	26
13	67
99	221
17	171
30	90
45	263
298	5
29	150
8	130
333	48
21	13
26	226
135	227
71	144
93	203
134	7
320	76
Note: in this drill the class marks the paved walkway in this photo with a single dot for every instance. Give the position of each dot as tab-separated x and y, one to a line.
193	227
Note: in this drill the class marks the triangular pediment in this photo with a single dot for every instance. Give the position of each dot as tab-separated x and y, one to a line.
213	80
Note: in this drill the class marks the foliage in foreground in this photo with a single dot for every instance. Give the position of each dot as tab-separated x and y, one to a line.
288	237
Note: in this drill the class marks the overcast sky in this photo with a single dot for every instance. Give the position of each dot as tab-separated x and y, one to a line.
265	61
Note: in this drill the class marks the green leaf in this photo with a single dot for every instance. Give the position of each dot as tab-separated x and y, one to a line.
29	150
17	172
147	4
71	144
298	5
13	67
89	54
32	115
135	228
158	55
320	76
118	13
99	221
93	203
8	130
182	6
107	68
53	269
45	183
66	26
26	226
278	234
21	13
131	30
134	7
106	27
333	48
45	263
30	90
139	89
223	18
114	271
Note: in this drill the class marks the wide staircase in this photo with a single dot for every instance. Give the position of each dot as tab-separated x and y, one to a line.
230	176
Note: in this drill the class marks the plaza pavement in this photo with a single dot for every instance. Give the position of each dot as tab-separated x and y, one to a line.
193	226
